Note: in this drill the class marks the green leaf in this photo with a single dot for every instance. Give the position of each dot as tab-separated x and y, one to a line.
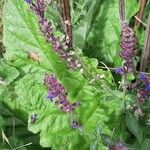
130	76
146	145
21	36
81	31
54	126
132	7
133	126
7	73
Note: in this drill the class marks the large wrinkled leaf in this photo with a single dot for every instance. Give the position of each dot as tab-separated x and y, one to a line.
133	126
21	38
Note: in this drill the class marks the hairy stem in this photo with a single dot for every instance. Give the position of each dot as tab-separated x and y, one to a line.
146	50
122	10
66	17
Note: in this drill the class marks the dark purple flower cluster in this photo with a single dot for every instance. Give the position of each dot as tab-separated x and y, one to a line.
145	91
119	146
59	45
58	95
128	52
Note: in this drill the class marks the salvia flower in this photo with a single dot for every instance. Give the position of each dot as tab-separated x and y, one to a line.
142	76
51	95
29	1
120	146
56	90
75	124
128	45
46	28
119	70
148	87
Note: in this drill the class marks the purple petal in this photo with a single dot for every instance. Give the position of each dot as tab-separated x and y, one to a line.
148	88
142	76
118	70
29	1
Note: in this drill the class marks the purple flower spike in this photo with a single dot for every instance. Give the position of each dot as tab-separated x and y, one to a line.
128	52
39	7
56	89
142	76
148	88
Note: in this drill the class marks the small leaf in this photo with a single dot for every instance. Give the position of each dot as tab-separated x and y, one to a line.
94	146
133	126
130	76
7	73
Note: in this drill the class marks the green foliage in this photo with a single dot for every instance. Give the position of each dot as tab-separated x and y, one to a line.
81	31
29	93
96	30
14	132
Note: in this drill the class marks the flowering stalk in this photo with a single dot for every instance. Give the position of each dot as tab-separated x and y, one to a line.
58	95
59	45
128	52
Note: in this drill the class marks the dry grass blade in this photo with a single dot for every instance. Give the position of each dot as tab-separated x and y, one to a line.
22	146
141	12
146	51
5	138
122	10
140	21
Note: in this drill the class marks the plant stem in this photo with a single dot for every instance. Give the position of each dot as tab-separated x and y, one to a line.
122	10
114	69
66	17
141	12
146	50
